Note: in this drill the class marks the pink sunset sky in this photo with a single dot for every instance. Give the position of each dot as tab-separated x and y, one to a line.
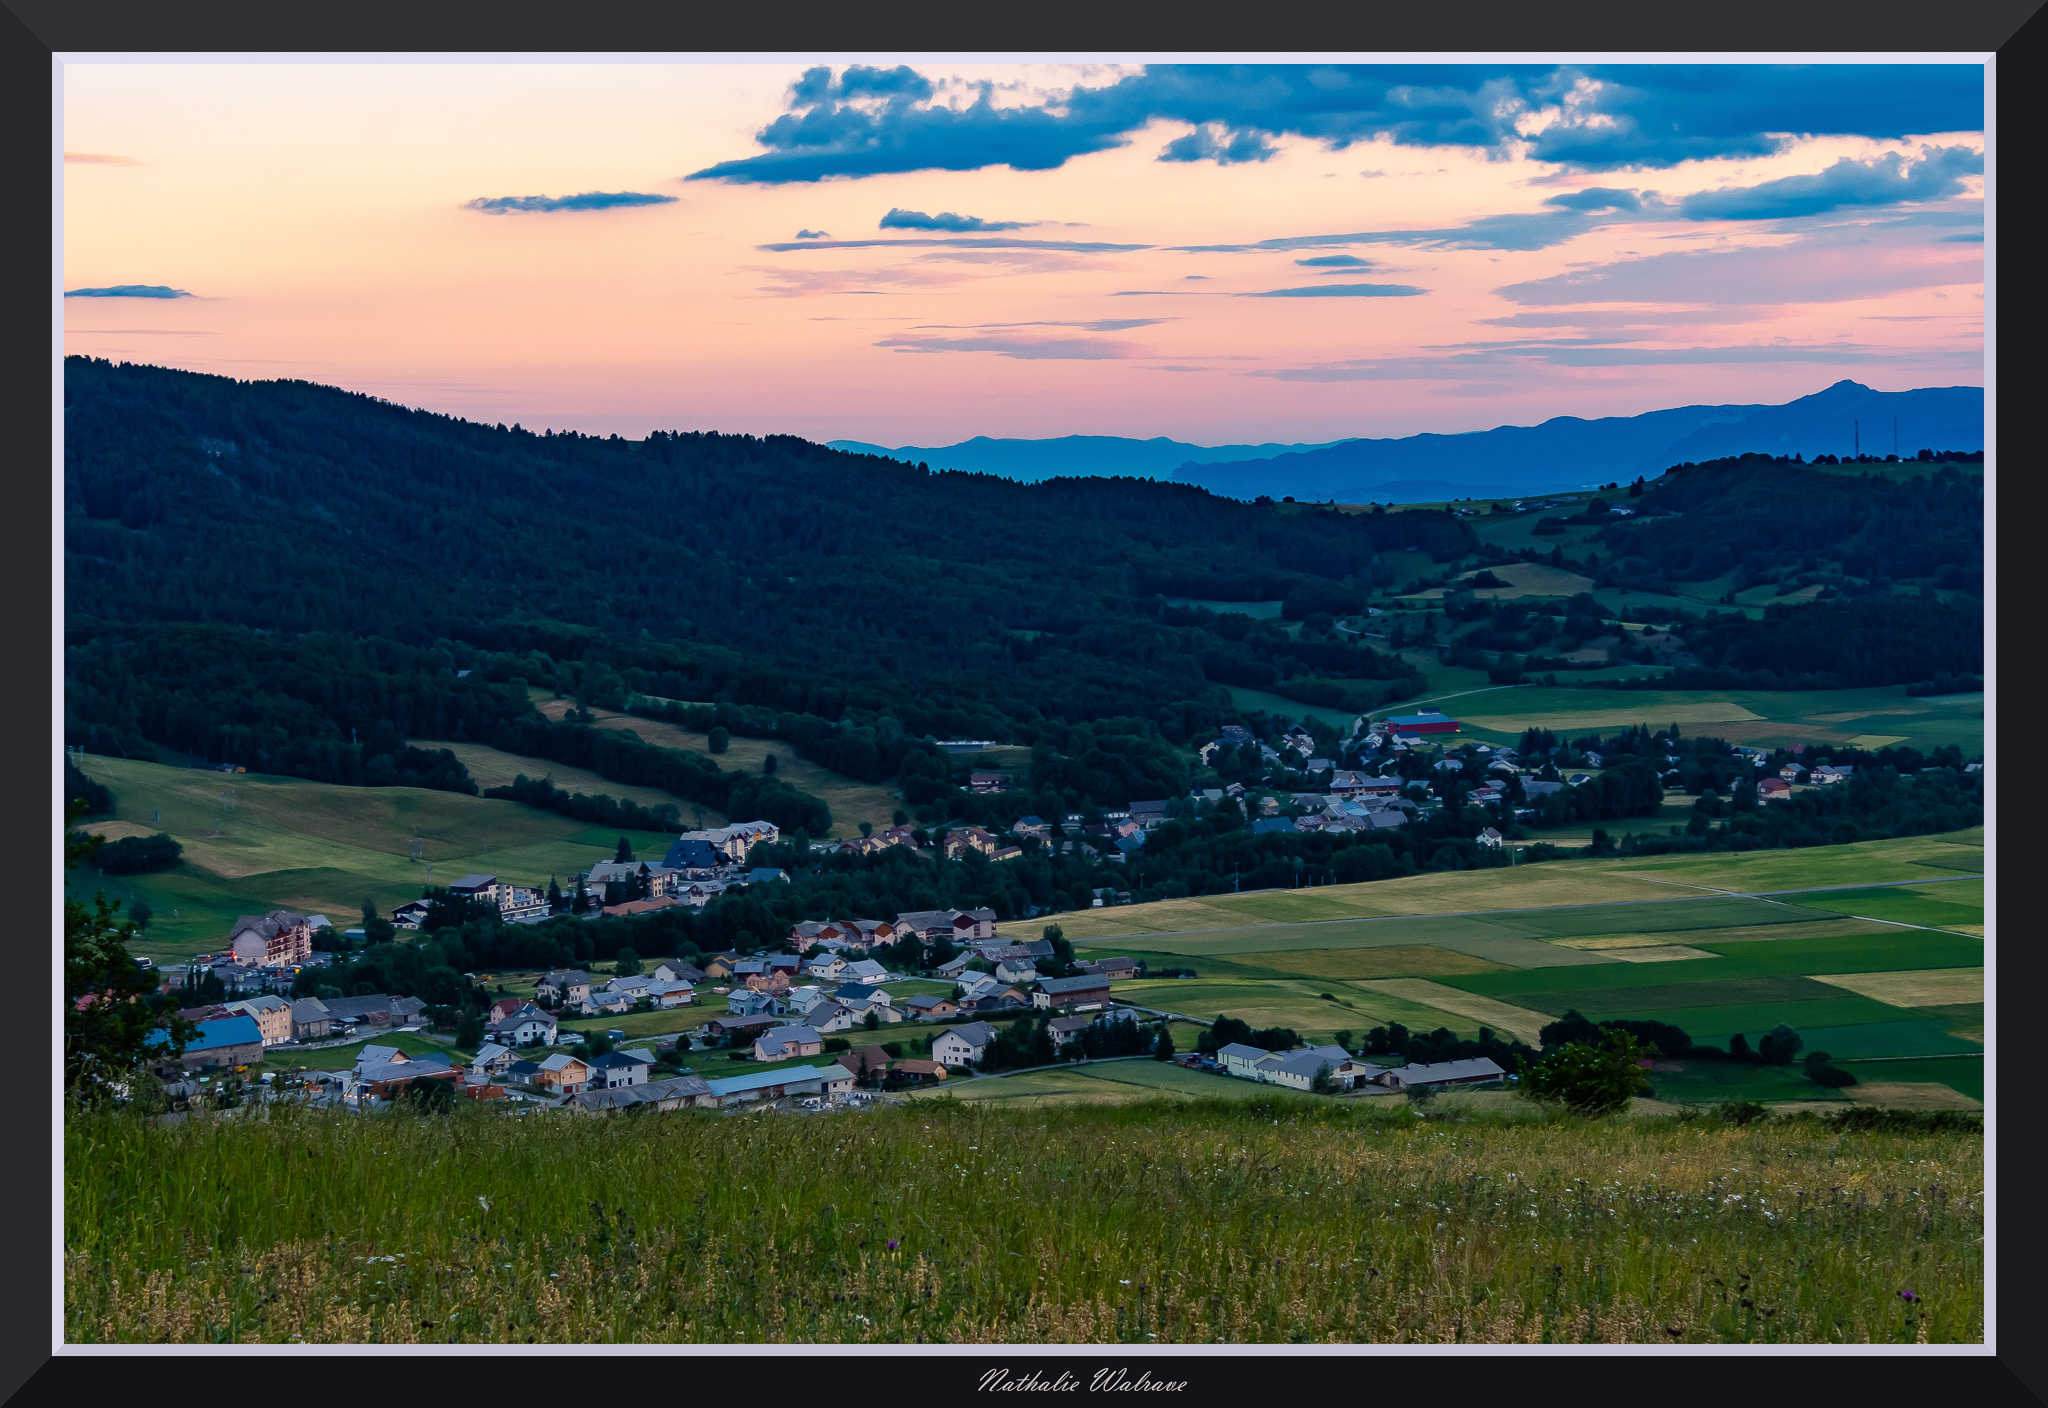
1216	254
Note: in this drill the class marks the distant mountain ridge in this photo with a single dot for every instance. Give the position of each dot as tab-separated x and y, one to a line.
1103	456
1570	453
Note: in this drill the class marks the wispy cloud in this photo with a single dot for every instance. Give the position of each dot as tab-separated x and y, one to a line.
128	291
1029	349
588	200
1092	325
1329	261
1341	291
899	219
963	242
98	159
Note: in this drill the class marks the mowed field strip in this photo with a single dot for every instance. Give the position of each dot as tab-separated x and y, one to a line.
1501	1016
1926	987
1704	712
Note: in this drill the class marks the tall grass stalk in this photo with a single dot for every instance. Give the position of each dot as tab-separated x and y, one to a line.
1152	1223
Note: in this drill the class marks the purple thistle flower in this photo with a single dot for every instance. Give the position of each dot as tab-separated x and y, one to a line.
1907	1295
893	1244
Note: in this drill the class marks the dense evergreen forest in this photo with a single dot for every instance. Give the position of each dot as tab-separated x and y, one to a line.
297	579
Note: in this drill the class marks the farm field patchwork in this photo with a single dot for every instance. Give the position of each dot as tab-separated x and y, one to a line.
1940	906
1964	1075
490	767
1501	1016
1752	717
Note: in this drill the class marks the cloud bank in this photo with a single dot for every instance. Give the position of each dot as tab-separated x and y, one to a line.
871	121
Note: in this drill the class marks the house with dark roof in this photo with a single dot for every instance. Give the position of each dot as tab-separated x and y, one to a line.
674	1093
1088	990
617	1068
783	1043
963	1045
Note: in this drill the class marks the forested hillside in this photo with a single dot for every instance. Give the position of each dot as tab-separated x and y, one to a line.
297	578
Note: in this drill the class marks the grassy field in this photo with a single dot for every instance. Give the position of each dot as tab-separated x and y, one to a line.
317	848
1760	718
1259	1219
852	801
492	768
338	1058
1522	578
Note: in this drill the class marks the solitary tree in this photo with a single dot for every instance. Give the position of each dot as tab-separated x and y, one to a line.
1589	1080
624	853
717	740
1162	1050
627	964
768	765
1779	1045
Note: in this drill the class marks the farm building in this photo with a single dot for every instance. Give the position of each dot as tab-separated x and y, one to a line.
1427	722
1473	1072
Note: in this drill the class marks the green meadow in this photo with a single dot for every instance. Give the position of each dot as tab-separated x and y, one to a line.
1248	1217
280	842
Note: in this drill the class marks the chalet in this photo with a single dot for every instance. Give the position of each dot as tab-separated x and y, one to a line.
688	857
632	907
969	838
963	1045
562	1073
1773	789
921	1070
828	967
1089	990
608	1000
764	875
955	966
953	925
1065	1029
384	1080
569	986
1112	968
1036	827
749	1002
781	1043
1473	1072
1490	838
925	1007
269	940
527	1026
1828	773
865	970
1270	825
1016	970
492	1059
615	1069
476	887
674	970
865	1061
408	916
522	904
986	782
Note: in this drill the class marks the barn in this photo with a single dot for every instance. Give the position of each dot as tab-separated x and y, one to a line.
1428	721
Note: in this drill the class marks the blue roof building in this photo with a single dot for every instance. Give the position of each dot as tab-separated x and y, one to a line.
214	1035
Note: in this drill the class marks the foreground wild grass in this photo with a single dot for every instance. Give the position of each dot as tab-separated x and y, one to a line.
1242	1222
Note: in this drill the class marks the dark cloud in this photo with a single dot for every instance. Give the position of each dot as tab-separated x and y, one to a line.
1883	180
1220	145
127	291
947	220
1333	261
1595	198
814	234
588	200
1029	349
870	121
1068	246
1341	291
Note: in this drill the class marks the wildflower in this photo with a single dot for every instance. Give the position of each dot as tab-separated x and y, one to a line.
893	1244
1907	1296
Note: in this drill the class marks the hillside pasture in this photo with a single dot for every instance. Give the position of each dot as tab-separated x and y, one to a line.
1920	987
490	767
318	848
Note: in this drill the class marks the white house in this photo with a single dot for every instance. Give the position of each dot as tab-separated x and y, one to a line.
963	1045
